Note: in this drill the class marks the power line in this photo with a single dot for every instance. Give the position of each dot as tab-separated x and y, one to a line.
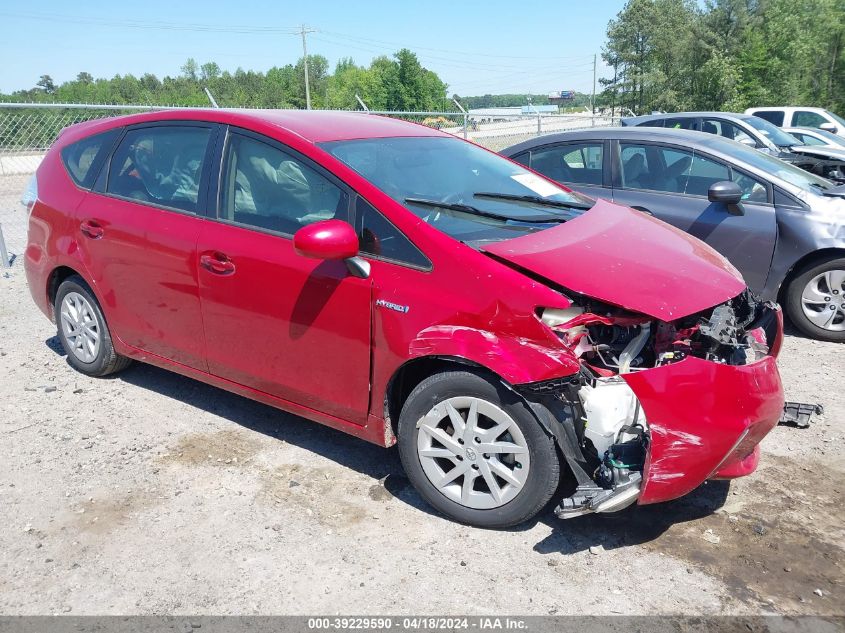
253	29
154	25
444	50
442	61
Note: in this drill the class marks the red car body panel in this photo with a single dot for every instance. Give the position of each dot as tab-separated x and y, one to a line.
146	282
695	432
629	259
283	323
305	336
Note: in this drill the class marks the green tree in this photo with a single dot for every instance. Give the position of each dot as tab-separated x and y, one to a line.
46	84
189	69
209	71
726	54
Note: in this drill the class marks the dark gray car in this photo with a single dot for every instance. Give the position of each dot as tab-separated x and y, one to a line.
782	227
753	131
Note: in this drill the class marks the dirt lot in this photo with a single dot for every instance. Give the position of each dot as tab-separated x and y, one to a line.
153	493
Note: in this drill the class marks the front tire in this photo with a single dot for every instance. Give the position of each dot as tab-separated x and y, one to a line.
83	331
475	451
815	301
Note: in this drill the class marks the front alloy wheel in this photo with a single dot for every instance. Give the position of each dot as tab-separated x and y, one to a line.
823	300
475	450
815	300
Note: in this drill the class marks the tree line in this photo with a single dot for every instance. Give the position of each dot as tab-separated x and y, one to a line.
399	82
519	99
676	55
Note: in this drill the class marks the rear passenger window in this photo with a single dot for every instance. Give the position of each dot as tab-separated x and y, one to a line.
83	158
268	188
572	163
523	159
160	166
681	123
772	116
378	237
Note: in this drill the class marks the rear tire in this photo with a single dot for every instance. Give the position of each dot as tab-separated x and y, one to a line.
815	300
507	466
83	331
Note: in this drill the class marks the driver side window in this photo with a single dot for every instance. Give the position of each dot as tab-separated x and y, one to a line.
805	118
267	188
378	237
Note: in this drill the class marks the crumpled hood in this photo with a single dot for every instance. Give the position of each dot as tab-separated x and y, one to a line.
627	258
819	150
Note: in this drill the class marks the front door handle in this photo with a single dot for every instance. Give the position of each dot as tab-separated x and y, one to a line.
92	229
642	210
217	263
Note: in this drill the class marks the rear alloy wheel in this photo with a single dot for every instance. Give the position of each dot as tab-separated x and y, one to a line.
475	451
80	327
816	301
83	331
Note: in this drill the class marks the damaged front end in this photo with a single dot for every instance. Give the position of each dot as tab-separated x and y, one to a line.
659	407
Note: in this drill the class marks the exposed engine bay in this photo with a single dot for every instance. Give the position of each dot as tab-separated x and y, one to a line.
611	341
610	427
826	167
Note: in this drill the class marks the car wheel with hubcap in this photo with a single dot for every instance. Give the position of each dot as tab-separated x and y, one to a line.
475	450
83	331
815	301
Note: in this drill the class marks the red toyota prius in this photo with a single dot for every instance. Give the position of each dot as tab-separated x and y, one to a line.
404	285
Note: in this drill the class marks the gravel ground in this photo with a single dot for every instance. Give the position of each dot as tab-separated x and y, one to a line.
150	493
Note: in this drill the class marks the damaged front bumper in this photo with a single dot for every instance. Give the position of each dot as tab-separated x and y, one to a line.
703	433
698	415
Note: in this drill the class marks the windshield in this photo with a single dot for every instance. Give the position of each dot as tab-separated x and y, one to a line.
836	117
772	132
776	167
484	197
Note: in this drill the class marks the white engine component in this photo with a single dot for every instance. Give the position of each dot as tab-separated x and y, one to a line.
609	406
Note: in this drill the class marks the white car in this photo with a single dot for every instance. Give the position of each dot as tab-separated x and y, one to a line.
815	136
801	117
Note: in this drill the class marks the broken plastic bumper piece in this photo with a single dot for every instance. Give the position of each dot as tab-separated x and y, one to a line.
706	420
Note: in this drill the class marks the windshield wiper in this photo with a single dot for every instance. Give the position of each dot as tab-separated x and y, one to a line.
469	209
533	200
820	186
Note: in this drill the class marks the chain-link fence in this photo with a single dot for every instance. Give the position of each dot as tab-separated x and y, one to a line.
28	130
26	133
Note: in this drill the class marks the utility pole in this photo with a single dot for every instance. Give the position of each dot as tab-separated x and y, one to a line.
593	98
303	31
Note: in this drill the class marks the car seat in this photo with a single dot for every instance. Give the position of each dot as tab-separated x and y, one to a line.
551	165
709	127
634	172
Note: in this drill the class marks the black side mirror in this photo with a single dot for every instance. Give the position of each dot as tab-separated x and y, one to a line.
728	193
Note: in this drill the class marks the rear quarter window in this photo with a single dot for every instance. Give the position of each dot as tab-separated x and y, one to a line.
83	159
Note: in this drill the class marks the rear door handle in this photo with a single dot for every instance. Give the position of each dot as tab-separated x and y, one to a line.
92	229
217	263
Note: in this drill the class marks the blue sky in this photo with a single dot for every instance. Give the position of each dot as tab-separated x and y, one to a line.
476	47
